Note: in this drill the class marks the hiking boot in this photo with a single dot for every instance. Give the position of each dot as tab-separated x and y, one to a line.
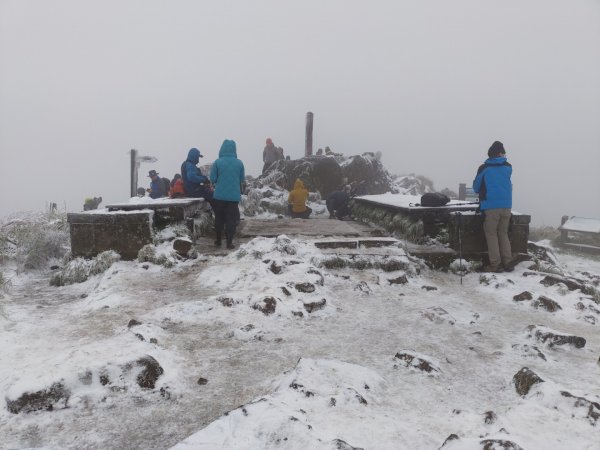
492	269
510	266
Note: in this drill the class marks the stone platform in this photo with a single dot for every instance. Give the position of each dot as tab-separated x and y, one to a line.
127	227
458	223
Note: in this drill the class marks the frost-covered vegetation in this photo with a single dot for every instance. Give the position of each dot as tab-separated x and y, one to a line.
78	270
34	239
31	241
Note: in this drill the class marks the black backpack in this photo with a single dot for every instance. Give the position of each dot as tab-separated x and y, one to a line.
166	184
434	199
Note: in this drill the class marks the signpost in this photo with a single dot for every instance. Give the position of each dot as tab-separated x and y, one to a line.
135	165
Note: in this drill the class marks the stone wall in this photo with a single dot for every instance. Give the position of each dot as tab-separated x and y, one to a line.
124	232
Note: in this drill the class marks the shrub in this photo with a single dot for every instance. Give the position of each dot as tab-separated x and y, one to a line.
79	270
34	238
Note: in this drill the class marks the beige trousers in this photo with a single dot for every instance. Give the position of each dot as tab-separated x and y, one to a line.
495	227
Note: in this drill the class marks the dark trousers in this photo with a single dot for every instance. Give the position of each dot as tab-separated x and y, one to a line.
206	194
301	215
226	214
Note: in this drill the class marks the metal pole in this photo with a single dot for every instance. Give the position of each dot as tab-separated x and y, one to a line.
460	247
309	134
134	175
462	191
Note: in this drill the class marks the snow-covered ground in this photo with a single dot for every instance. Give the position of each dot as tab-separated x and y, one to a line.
253	358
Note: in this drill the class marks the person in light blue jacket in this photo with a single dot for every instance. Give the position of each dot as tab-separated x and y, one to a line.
227	175
494	186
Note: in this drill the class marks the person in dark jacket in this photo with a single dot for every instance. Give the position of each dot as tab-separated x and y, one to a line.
227	174
195	183
494	186
270	155
157	186
337	203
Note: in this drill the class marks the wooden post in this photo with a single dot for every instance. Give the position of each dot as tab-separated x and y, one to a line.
134	173
462	191
309	134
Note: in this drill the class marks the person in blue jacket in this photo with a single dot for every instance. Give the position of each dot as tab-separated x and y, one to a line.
227	174
157	186
494	186
195	183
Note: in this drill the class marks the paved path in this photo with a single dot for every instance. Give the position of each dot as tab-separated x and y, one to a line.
317	228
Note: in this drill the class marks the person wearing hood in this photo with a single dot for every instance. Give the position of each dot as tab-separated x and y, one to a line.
270	155
494	186
195	183
297	201
337	203
227	174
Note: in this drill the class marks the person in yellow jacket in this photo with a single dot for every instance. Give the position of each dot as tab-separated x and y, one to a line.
297	201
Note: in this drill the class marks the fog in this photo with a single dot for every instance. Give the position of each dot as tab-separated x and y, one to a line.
428	83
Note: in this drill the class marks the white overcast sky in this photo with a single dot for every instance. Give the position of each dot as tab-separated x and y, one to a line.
429	83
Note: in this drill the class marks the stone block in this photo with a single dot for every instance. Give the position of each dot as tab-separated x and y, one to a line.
472	237
124	233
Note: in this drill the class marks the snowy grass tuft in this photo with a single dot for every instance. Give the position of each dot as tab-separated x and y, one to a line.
79	270
34	239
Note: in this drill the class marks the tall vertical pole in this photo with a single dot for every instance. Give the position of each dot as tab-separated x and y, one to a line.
134	175
462	191
309	134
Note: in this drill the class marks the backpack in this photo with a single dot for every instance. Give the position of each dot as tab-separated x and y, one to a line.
166	185
434	199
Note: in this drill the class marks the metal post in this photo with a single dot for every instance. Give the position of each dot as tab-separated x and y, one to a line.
309	134
462	191
134	172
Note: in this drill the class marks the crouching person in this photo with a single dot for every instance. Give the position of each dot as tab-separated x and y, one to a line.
227	174
337	203
297	201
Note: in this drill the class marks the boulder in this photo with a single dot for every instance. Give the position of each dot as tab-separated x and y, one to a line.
490	417
307	288
267	305
315	306
525	295
326	174
553	338
182	246
410	359
593	408
546	303
56	396
493	444
150	373
524	380
338	444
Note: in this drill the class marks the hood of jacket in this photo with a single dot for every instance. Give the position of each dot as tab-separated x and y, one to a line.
298	184
194	155
497	161
228	149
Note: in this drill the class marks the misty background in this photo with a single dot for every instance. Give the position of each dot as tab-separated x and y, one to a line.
428	83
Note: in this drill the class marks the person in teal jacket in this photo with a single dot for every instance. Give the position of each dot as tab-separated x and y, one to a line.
227	175
494	186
